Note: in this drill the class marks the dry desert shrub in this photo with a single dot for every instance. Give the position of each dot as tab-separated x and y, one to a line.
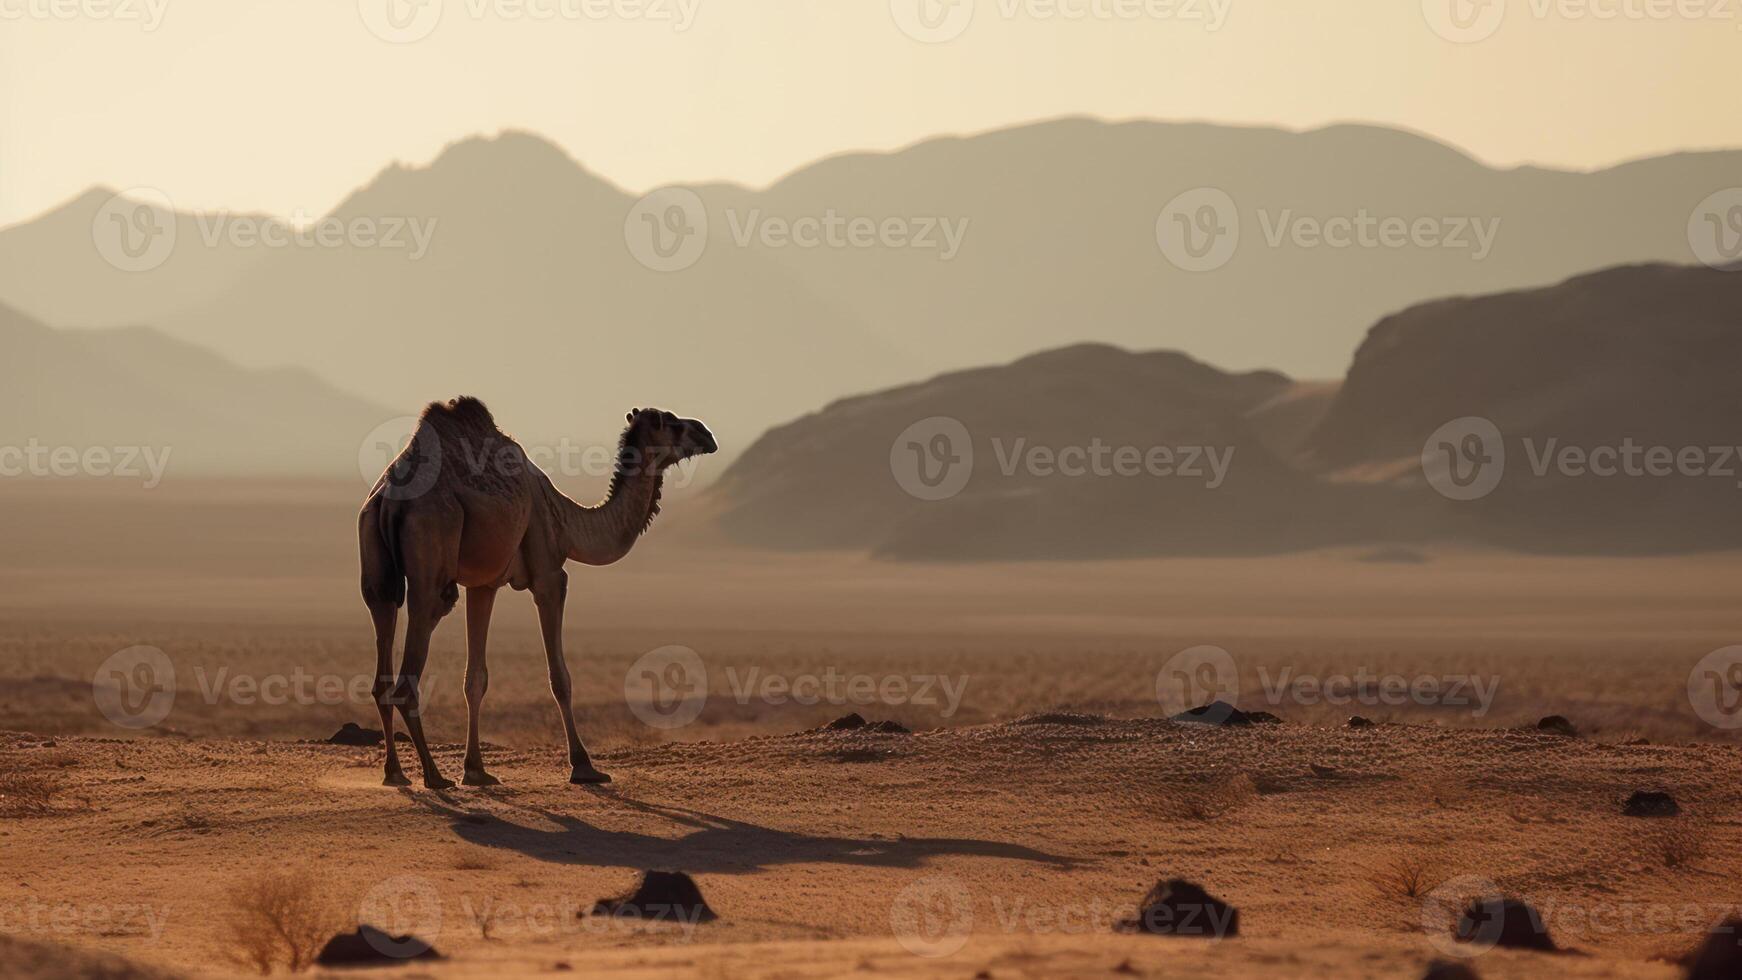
1678	843
27	788
1215	797
280	917
1405	874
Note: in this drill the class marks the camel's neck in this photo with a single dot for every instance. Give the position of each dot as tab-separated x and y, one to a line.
604	533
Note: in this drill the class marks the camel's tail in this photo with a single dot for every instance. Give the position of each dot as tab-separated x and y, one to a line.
378	547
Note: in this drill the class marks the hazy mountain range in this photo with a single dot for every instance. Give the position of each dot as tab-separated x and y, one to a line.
1638	356
158	407
992	246
1085	451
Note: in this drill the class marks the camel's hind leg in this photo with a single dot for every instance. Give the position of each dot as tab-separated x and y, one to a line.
430	548
386	621
479	602
426	608
383	591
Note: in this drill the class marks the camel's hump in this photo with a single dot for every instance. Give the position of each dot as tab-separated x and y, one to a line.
463	411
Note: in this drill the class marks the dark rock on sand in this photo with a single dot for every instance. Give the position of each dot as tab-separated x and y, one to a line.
1356	721
1448	970
1507	922
1557	725
856	722
1179	908
662	896
1214	713
1651	803
350	733
369	946
1720	957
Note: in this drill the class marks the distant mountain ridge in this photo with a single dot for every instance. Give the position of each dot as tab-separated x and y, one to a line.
1085	451
1640	356
529	277
138	391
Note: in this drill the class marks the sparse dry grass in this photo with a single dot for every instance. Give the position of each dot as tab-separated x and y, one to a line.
1405	874
32	784
280	917
1678	842
1219	795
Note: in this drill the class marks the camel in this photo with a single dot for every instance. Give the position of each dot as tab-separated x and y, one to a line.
463	506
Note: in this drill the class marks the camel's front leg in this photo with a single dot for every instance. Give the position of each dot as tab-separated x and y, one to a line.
479	603
549	595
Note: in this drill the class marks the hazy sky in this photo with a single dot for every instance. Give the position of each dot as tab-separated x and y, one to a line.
285	105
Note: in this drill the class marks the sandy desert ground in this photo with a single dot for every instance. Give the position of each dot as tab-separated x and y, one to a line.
827	853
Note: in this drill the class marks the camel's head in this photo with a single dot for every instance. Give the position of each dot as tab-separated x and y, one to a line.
664	439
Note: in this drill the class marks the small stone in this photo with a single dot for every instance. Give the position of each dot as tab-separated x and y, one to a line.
350	733
1651	803
1180	908
1507	922
1557	725
369	946
1720	957
660	895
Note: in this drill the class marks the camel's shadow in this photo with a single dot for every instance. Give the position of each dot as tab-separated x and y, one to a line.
713	845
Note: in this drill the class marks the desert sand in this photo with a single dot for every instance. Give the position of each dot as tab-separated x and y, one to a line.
829	853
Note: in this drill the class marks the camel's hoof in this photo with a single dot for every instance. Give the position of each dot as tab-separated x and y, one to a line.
437	782
479	777
395	779
588	776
